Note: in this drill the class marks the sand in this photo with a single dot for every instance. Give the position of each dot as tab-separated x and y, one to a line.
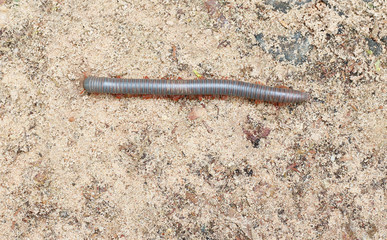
84	166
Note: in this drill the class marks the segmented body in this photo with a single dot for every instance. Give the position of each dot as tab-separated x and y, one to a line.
202	87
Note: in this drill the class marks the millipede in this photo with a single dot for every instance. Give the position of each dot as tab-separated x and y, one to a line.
197	87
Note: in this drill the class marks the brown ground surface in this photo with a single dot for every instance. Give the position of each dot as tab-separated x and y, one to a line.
93	166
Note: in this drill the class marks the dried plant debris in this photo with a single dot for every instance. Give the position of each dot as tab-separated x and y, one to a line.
254	132
215	12
294	49
212	7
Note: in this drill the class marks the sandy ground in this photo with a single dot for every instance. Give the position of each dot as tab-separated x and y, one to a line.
77	165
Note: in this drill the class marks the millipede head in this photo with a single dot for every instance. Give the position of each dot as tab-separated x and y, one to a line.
85	84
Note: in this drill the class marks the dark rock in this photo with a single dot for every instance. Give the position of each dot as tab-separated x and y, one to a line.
374	46
279	6
294	49
259	38
384	40
285	6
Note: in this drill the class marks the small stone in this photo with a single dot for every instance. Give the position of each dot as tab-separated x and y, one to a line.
3	16
41	178
192	197
63	214
346	158
264	132
14	95
208	32
197	112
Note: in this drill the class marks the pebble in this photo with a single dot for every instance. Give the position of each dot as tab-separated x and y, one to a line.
208	32
63	214
197	112
3	16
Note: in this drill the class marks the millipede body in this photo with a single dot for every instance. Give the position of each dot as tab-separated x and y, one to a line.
204	87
